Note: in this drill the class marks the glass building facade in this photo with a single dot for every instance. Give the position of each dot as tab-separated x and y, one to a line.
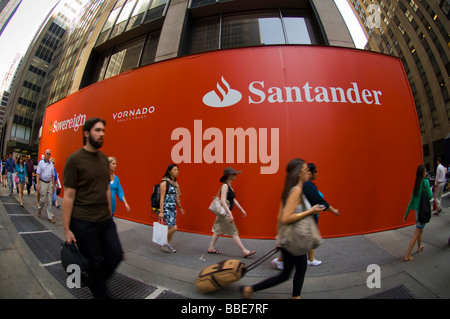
110	37
418	32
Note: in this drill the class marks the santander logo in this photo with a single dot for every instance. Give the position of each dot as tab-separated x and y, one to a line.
222	97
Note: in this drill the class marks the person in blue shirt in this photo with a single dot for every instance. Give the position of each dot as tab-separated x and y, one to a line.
116	187
10	167
21	173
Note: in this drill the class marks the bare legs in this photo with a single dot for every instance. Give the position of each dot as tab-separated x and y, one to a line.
237	241
417	237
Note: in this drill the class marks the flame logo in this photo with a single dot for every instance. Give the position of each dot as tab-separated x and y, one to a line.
222	96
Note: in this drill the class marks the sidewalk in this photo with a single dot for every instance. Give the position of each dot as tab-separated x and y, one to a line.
30	267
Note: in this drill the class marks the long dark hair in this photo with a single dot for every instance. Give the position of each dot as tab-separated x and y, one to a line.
293	170
419	178
169	168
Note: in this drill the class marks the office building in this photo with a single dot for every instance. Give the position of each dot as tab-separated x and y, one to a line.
418	32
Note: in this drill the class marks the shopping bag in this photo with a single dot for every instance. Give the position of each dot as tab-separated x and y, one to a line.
160	233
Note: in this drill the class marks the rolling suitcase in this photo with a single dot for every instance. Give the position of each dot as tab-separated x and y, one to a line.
225	273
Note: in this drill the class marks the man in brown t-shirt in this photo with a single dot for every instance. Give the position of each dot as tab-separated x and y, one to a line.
86	210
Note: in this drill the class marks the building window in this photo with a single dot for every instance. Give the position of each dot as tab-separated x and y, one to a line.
130	14
138	13
199	3
251	29
20	132
139	52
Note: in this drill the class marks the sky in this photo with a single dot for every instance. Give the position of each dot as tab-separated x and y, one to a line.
31	13
21	30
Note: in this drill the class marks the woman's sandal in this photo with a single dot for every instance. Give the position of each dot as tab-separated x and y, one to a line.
406	259
250	254
215	252
420	248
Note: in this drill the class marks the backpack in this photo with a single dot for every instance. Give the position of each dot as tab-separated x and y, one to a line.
156	196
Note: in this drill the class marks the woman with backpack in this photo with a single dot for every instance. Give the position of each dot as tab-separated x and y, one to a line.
225	225
169	200
419	184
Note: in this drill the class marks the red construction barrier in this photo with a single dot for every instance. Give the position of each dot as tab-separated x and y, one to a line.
349	111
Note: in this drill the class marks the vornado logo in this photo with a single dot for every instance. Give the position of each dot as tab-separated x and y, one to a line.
133	114
72	124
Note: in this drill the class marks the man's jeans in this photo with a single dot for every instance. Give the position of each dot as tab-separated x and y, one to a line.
10	182
99	243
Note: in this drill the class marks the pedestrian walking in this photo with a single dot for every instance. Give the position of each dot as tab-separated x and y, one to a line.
291	199
10	166
45	175
30	169
4	176
57	185
169	201
116	187
315	197
86	211
21	177
225	225
439	183
420	183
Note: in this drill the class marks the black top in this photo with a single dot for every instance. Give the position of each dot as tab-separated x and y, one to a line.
312	194
230	196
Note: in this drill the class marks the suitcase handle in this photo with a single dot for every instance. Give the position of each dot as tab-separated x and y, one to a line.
259	261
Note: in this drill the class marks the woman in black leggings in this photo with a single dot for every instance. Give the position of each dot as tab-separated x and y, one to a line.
297	174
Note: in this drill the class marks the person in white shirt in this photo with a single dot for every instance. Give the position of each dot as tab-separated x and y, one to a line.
439	183
45	175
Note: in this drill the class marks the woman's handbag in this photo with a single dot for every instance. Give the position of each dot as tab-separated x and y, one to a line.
300	237
216	206
424	215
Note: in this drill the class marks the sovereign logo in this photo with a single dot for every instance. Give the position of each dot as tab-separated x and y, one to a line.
223	96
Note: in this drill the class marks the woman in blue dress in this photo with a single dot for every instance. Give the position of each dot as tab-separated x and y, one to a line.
170	199
21	173
116	187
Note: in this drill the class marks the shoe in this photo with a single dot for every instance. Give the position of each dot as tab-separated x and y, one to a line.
315	262
278	264
169	248
251	253
52	221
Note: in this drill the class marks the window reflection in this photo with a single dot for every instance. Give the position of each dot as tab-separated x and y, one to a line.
296	31
264	28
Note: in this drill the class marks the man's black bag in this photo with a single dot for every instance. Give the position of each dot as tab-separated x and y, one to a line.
70	255
424	208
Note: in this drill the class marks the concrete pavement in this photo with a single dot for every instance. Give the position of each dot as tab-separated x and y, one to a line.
30	266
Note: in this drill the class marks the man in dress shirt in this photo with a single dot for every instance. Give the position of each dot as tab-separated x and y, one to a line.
439	183
45	175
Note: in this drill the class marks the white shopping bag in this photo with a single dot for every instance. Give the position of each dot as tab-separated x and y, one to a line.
160	233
